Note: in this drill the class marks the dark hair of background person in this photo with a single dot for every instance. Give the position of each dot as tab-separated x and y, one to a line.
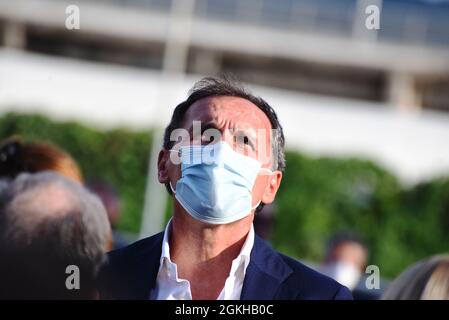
427	279
340	238
47	223
110	198
18	157
264	222
215	87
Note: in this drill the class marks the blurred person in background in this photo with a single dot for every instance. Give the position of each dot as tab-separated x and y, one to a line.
209	249
18	157
111	201
345	259
47	223
264	222
427	279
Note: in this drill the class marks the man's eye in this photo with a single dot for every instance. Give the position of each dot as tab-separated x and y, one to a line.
241	139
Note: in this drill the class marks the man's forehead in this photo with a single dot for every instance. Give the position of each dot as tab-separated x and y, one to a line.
233	112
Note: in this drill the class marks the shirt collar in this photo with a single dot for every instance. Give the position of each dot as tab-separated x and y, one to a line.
165	245
245	252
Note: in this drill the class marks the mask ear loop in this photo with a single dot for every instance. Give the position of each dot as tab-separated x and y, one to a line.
178	152
171	187
267	170
179	155
255	207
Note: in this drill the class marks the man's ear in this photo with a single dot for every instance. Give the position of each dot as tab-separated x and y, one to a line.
273	183
162	166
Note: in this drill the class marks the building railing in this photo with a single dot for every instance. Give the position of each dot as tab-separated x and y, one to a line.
402	21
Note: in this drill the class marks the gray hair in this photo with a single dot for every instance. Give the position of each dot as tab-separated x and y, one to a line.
427	279
49	222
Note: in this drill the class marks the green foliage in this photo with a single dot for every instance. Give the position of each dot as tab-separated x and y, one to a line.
119	156
318	197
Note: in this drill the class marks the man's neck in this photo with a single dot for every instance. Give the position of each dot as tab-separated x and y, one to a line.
204	253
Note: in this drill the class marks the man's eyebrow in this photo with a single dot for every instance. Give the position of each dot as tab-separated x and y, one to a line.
204	127
209	125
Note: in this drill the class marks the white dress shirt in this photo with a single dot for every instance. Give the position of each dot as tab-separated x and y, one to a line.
170	287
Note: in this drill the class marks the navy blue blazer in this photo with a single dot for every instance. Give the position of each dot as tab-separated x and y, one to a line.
130	273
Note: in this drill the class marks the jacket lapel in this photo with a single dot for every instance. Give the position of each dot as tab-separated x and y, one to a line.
265	273
144	270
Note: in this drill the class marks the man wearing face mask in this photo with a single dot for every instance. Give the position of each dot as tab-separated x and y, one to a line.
345	261
219	182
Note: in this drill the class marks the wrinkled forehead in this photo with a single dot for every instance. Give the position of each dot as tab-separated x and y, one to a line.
227	113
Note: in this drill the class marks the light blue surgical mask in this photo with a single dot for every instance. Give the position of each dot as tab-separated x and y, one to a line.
216	183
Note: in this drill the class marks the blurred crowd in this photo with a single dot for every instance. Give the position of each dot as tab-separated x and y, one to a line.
51	218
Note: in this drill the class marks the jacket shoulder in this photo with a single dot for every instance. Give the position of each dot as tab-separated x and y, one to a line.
132	252
129	272
306	283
